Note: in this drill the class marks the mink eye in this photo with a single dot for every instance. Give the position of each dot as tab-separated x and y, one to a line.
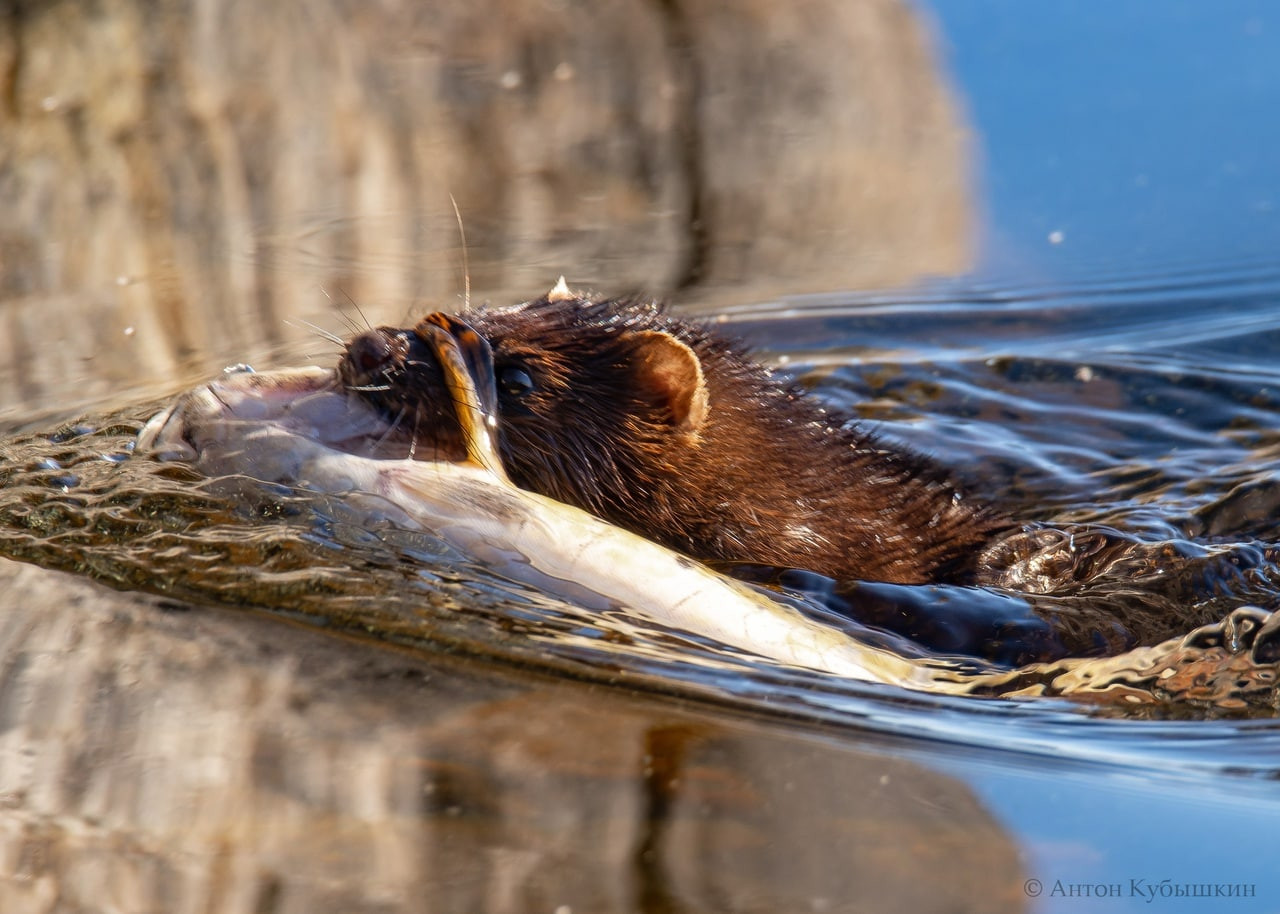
514	382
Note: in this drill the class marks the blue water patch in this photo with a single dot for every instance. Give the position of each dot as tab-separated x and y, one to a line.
1120	132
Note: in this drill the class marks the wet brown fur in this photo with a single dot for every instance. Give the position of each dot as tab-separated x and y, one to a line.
712	456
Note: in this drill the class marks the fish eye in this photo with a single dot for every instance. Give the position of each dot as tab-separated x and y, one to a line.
514	381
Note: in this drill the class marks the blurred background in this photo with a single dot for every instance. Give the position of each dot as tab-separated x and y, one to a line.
1128	137
180	179
1037	239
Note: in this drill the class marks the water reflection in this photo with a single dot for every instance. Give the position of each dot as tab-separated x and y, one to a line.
160	221
211	758
164	218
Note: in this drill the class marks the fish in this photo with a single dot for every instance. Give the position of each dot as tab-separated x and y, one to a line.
301	428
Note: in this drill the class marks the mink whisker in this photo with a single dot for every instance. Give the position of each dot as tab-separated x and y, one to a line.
395	424
413	436
354	327
359	310
318	331
466	266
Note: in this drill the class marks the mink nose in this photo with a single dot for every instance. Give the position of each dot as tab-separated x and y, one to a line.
369	351
372	353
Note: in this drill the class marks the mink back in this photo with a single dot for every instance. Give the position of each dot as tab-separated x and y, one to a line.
767	477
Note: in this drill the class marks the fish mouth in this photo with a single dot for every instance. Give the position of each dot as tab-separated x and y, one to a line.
271	425
284	426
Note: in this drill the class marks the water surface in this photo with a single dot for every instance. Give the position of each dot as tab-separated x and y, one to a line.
1113	362
1101	402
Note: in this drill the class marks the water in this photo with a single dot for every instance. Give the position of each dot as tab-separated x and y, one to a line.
412	724
1106	402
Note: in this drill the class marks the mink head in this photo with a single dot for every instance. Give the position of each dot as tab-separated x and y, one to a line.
594	400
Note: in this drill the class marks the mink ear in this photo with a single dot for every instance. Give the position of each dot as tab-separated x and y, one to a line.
671	372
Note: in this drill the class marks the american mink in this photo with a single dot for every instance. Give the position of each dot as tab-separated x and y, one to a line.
663	428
